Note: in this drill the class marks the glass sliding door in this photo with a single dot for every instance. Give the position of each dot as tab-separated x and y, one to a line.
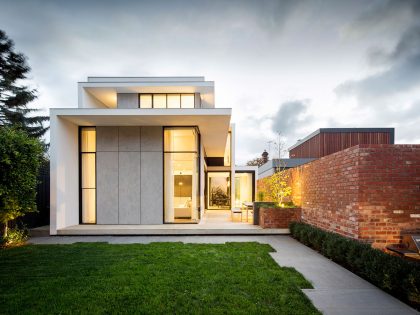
88	174
218	185
244	188
181	175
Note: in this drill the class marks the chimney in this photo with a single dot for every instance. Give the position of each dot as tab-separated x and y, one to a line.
264	156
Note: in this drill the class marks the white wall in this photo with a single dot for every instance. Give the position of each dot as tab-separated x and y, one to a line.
87	100
202	181
232	163
64	174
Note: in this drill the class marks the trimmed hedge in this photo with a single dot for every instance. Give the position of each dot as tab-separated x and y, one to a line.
392	274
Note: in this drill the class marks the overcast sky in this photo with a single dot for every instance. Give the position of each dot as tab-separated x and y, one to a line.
288	66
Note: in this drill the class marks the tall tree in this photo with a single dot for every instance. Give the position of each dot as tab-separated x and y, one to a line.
14	94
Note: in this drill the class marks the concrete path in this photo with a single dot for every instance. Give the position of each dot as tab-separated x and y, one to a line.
336	290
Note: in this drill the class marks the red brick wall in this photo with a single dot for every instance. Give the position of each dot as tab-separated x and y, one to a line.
367	192
389	192
278	217
329	192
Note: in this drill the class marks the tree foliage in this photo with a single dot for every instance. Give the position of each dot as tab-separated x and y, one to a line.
20	159
219	197
14	94
279	186
255	162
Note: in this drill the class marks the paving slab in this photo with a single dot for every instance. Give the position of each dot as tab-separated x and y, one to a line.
336	290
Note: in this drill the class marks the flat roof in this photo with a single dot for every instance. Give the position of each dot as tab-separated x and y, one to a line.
147	79
286	162
106	90
343	130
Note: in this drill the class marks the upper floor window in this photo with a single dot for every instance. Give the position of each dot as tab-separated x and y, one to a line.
170	100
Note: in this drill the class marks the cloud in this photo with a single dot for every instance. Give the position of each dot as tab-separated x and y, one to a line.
385	97
402	76
385	17
289	116
260	54
287	120
400	65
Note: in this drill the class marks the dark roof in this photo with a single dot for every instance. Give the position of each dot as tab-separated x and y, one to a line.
287	163
343	130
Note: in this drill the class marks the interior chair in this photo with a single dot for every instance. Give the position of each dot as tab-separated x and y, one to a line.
235	211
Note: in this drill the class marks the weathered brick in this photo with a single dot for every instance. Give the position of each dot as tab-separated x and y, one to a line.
355	192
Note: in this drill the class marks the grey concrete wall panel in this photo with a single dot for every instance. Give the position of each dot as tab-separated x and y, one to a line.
197	100
107	187
106	139
151	188
129	188
127	100
151	139
129	139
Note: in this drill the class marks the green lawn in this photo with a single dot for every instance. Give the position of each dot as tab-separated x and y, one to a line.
158	278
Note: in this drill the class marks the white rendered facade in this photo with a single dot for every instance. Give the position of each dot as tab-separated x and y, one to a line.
142	151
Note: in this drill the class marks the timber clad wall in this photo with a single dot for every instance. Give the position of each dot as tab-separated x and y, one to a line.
367	192
326	143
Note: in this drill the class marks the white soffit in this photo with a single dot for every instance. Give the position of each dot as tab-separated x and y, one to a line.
213	122
105	92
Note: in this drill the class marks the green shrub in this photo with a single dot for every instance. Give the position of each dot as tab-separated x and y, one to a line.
397	276
20	159
15	236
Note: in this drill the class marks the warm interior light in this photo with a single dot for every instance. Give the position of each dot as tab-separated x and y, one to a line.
243	188
187	100
174	101
88	174
181	174
146	101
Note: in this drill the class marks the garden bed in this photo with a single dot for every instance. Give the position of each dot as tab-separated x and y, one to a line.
276	217
392	274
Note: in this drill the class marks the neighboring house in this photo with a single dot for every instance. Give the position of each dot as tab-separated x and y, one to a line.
270	167
323	142
326	141
144	151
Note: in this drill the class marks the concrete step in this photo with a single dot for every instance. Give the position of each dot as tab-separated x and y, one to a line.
191	229
40	231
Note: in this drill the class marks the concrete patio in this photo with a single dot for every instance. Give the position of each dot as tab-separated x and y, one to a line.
336	290
214	222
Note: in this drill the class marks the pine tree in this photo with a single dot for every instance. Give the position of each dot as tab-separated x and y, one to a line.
14	94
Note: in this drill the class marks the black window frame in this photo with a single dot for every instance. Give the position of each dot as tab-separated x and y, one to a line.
197	129
80	178
166	98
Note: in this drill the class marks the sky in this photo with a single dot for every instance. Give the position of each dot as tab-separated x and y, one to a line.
287	67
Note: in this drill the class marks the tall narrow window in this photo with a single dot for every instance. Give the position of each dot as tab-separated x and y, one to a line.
244	188
88	174
227	156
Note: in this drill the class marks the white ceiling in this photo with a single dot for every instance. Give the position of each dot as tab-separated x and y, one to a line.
213	123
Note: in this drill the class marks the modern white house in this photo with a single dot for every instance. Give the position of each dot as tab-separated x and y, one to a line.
144	151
